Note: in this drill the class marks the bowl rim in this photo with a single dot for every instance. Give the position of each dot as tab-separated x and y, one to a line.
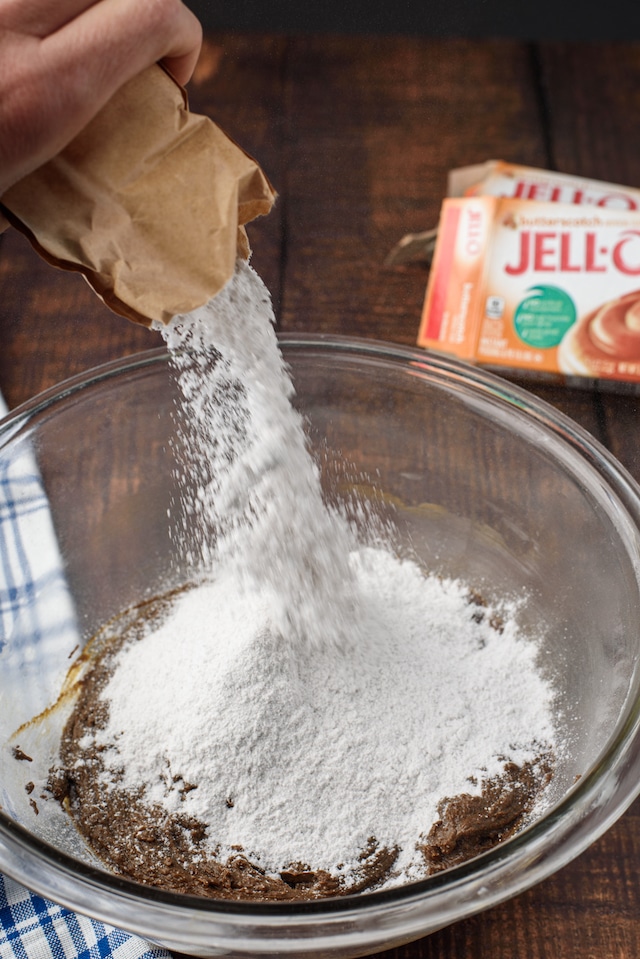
535	837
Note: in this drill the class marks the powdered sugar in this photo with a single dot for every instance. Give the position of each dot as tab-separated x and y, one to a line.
306	765
316	692
250	494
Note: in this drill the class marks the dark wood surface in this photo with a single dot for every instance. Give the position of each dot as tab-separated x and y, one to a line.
357	135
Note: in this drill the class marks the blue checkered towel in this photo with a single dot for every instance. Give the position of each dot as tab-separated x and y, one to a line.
32	927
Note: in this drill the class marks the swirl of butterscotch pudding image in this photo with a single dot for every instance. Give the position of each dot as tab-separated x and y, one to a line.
606	341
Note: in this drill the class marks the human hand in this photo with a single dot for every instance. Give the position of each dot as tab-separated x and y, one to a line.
61	61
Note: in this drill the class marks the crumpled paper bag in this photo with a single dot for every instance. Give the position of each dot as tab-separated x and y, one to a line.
149	202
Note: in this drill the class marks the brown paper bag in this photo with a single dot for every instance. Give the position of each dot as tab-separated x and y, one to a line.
148	202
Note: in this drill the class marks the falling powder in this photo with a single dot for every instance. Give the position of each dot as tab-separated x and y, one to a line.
251	497
316	694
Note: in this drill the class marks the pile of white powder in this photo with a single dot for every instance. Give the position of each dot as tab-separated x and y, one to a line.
317	692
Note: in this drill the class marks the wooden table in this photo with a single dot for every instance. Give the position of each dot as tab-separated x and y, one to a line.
357	135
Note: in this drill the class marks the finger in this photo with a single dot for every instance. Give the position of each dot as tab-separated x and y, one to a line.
39	18
51	88
113	40
182	65
162	29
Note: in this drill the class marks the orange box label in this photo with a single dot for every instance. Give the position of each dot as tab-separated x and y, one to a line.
545	287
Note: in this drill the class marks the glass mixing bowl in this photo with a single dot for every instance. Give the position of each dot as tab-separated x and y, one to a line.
488	484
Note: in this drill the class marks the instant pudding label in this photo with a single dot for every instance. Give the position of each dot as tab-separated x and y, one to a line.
545	287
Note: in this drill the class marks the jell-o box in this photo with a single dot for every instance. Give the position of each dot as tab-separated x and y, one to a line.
502	179
542	288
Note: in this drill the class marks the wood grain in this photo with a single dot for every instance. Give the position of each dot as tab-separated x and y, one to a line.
51	325
374	127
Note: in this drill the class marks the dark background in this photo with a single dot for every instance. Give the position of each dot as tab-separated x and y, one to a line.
544	19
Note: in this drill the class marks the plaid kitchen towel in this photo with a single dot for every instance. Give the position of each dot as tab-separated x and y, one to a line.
30	567
34	928
35	605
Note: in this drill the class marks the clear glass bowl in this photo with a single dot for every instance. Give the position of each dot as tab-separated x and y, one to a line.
488	482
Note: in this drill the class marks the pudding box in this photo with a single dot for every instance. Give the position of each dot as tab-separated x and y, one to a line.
544	289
